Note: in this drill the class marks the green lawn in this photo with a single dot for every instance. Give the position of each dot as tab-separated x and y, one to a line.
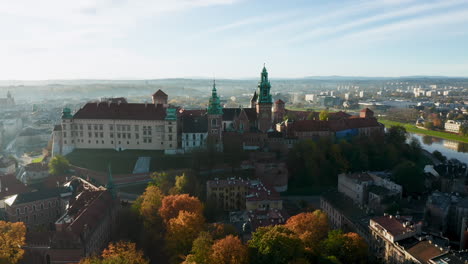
124	161
38	160
413	129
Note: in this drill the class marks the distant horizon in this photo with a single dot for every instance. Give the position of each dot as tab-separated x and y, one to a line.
329	77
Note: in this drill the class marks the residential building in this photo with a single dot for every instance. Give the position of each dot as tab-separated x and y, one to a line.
34	172
454	126
37	208
344	214
238	194
355	186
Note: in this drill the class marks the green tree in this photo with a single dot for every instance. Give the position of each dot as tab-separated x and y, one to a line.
324	115
163	181
275	245
58	165
347	248
410	177
396	135
201	249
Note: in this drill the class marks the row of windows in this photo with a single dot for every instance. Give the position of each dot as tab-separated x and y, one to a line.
145	140
194	136
158	128
34	217
34	208
111	134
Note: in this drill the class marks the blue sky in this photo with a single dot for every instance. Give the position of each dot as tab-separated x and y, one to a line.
142	39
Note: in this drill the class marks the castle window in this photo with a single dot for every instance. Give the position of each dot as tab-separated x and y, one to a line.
101	127
170	129
137	136
136	127
102	134
81	133
81	127
89	141
111	127
90	134
170	137
64	134
112	135
96	134
95	127
214	122
97	141
34	208
129	136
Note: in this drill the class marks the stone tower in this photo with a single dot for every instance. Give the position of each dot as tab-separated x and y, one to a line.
215	114
264	102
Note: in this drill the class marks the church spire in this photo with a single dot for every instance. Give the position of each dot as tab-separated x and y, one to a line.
264	87
110	182
214	107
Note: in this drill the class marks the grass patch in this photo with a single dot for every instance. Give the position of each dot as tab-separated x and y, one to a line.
123	162
413	129
38	160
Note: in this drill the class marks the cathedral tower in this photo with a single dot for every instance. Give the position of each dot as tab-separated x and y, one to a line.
264	102
215	113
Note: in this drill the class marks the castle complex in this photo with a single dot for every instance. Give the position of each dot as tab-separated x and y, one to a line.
113	123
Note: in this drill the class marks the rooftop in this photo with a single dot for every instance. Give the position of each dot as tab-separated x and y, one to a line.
424	251
122	111
395	225
28	197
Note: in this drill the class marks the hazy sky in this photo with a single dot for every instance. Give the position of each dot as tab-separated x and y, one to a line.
136	39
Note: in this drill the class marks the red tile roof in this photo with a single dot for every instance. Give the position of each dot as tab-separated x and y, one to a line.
9	185
393	225
121	111
424	251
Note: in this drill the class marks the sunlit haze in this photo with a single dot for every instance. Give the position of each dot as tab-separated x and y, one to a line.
122	39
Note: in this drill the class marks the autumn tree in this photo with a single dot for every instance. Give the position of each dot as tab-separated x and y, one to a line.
58	165
148	205
173	204
180	185
220	230
121	252
12	239
201	249
229	250
275	245
311	228
181	232
163	181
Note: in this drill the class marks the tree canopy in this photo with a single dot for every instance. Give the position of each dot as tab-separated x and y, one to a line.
121	252
173	204
311	228
12	237
58	165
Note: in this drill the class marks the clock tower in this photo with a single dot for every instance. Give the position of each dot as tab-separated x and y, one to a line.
264	102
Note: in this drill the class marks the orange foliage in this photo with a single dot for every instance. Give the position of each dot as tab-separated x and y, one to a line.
173	204
12	238
356	248
181	232
229	250
310	227
220	230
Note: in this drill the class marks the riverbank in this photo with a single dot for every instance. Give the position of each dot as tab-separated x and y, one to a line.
413	129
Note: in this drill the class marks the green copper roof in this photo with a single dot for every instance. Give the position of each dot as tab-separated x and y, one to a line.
171	114
264	87
66	113
214	107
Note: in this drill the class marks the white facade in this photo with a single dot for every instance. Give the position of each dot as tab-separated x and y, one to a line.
192	141
118	134
453	126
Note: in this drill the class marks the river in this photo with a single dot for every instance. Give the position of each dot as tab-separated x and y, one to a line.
449	148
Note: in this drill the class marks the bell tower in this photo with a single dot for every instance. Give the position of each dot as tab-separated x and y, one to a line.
264	102
215	113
